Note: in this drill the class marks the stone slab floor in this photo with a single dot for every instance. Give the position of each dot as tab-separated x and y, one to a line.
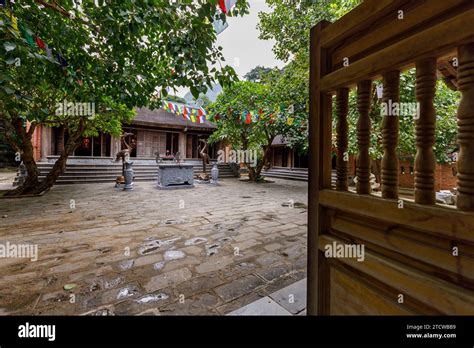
209	250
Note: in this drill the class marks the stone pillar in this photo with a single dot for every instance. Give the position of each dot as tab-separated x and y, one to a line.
45	141
182	144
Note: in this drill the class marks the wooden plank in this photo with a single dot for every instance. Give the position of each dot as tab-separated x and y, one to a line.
434	42
318	108
350	296
360	17
441	220
424	248
465	164
445	297
416	15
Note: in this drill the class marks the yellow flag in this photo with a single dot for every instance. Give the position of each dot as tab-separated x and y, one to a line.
290	121
14	21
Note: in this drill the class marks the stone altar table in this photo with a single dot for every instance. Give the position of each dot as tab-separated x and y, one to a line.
175	175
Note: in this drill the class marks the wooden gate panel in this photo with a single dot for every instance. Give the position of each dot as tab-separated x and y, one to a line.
418	256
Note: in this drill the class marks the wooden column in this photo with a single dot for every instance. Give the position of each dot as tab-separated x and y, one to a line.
342	128
465	163
390	127
319	170
363	136
425	125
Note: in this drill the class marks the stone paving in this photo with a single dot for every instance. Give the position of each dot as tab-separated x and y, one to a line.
290	300
208	250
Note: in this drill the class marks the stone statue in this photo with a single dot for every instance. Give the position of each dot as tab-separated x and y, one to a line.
125	156
204	155
125	153
177	157
214	174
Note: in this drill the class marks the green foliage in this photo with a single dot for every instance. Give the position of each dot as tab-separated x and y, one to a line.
289	24
117	55
257	74
175	98
291	87
231	104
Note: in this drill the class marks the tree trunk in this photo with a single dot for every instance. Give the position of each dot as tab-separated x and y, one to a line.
32	184
376	169
254	172
59	166
27	155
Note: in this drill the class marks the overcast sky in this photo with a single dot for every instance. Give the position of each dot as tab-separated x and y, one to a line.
242	48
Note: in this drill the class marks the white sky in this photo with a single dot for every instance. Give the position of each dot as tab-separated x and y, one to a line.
242	48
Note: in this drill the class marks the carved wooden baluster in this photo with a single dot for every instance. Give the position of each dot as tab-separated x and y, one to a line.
342	101
363	136
465	163
390	126
425	125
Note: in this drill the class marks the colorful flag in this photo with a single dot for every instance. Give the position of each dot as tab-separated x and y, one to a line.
248	118
290	121
219	25
226	5
49	51
61	60
41	45
27	35
193	119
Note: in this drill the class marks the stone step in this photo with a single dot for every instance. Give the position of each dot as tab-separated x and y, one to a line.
98	173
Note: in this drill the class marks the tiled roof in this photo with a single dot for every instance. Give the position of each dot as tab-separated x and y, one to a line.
160	117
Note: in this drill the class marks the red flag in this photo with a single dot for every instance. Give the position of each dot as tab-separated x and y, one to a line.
248	120
40	43
222	6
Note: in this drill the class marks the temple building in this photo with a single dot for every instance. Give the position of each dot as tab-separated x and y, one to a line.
155	132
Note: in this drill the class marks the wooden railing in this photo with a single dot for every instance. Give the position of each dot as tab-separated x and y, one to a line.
378	40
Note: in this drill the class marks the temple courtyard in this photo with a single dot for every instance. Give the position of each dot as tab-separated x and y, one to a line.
207	250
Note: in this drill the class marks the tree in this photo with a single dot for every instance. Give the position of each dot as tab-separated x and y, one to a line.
117	54
176	99
289	26
257	74
258	134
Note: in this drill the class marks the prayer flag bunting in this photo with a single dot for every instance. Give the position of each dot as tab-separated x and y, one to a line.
41	45
61	60
27	35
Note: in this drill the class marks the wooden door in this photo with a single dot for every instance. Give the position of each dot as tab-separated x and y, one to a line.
418	256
